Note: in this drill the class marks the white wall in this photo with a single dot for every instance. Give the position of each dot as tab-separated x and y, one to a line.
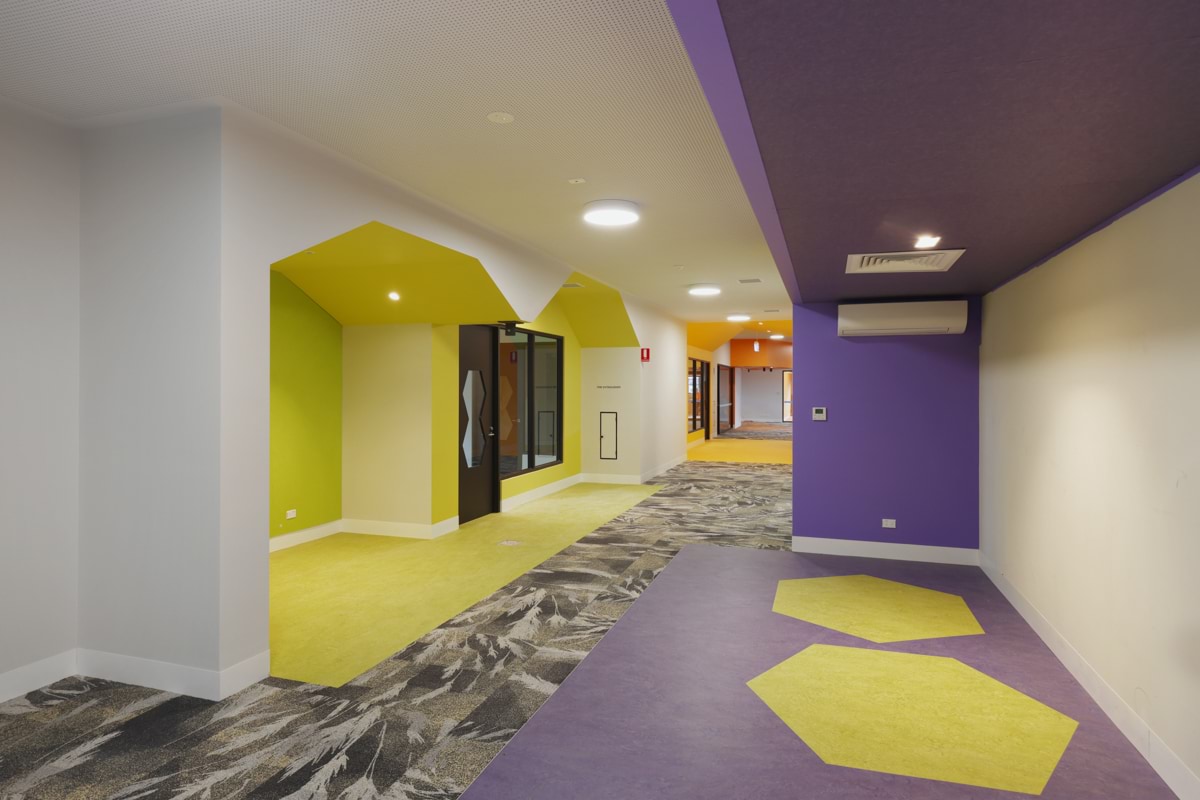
39	399
1090	466
664	388
387	439
761	395
181	217
281	194
611	379
150	400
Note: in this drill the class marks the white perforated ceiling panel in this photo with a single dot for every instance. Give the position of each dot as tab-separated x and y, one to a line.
600	90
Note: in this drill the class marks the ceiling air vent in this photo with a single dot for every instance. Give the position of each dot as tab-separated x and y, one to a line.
572	286
770	310
749	280
915	261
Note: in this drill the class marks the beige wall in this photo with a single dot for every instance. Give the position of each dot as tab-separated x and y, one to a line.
664	388
612	381
387	441
1090	466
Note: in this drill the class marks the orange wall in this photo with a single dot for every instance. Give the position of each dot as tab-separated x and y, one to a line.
771	353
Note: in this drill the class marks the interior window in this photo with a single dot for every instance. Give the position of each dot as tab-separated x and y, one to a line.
530	398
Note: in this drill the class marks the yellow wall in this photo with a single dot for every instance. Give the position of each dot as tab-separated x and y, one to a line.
306	410
553	319
444	423
597	313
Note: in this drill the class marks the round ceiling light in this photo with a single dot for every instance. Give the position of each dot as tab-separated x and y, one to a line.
704	289
500	117
776	336
611	213
926	241
394	297
738	318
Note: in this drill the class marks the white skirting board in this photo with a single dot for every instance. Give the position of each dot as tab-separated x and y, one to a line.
374	527
29	677
409	530
601	477
1165	762
647	477
294	538
509	503
207	684
891	550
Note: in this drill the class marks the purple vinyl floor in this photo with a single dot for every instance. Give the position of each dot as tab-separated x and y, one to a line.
660	708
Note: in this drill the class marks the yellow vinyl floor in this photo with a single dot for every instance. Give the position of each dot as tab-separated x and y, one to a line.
342	604
923	716
743	451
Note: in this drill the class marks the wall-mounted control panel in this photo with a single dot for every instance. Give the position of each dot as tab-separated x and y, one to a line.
819	413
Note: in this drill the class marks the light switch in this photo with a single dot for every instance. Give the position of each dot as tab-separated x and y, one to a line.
291	513
818	413
889	523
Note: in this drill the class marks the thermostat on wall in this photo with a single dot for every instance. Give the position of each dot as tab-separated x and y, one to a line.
818	413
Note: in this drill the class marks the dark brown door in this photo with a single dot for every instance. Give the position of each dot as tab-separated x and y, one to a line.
478	468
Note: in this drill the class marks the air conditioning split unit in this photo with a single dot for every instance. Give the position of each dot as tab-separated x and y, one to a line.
903	319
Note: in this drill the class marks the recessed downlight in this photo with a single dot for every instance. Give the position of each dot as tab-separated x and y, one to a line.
704	290
611	213
776	336
927	241
394	297
738	318
500	117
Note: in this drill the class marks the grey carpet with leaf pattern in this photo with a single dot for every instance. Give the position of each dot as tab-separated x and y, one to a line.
419	726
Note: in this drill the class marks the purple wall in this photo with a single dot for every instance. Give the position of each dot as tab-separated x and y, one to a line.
902	438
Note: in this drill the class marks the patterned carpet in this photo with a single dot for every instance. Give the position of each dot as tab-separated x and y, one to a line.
760	430
420	726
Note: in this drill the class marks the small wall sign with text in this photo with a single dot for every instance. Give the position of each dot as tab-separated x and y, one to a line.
645	355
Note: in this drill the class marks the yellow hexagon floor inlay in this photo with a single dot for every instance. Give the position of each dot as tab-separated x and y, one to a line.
875	609
915	715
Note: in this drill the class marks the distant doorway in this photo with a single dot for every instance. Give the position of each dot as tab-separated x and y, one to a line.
478	464
725	398
697	397
787	395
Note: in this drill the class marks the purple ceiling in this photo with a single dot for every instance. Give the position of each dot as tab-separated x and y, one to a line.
1008	127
